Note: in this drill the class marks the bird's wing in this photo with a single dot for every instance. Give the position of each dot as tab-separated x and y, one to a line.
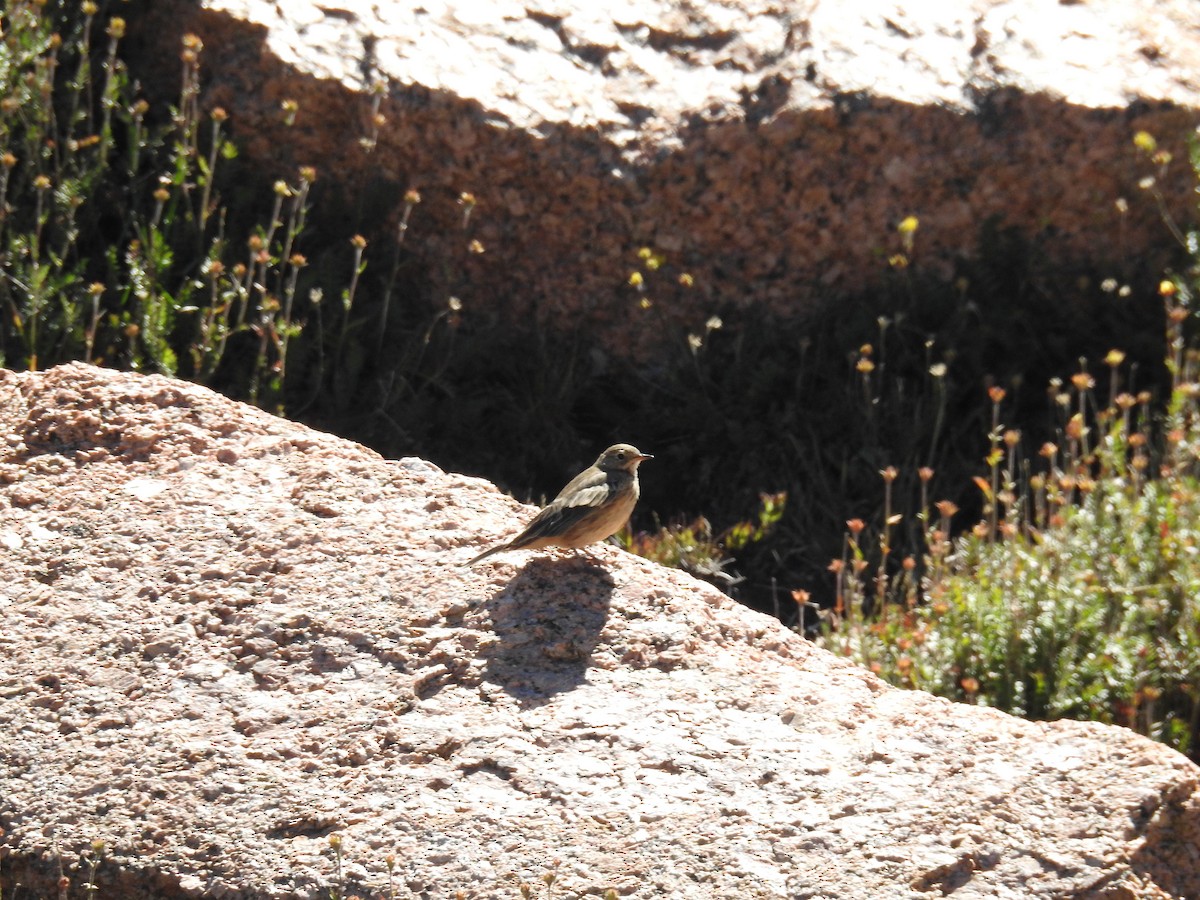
585	484
588	497
563	514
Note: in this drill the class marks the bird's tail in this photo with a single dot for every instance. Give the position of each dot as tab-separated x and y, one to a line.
484	555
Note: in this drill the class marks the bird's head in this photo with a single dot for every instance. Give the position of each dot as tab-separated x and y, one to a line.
621	456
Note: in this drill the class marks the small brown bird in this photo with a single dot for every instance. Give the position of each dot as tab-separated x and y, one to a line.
593	506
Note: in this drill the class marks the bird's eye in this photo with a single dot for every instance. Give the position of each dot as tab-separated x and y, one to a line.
621	455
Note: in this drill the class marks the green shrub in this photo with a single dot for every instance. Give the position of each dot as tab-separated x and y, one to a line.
1078	593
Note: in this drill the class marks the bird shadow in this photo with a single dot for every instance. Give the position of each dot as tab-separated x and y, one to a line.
547	621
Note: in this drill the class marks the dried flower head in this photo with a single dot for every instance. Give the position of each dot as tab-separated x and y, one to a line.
1083	381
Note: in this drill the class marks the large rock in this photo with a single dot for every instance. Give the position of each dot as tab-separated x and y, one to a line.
227	637
767	148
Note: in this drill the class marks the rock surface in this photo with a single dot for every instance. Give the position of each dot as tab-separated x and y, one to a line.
227	637
767	148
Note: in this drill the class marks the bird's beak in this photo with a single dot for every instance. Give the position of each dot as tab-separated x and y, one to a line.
642	457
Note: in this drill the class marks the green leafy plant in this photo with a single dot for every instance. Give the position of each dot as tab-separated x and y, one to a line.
694	547
1077	594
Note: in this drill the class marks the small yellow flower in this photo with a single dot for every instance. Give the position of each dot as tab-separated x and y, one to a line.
686	280
1145	142
1167	288
908	225
636	280
1114	358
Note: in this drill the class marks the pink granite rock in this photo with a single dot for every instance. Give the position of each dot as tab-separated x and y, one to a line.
227	638
769	149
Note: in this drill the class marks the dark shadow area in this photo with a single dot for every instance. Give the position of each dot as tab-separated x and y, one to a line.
1166	857
548	620
38	876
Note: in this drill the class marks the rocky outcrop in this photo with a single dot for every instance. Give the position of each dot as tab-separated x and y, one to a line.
228	638
768	149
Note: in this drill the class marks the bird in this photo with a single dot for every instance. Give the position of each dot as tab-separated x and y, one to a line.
592	507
